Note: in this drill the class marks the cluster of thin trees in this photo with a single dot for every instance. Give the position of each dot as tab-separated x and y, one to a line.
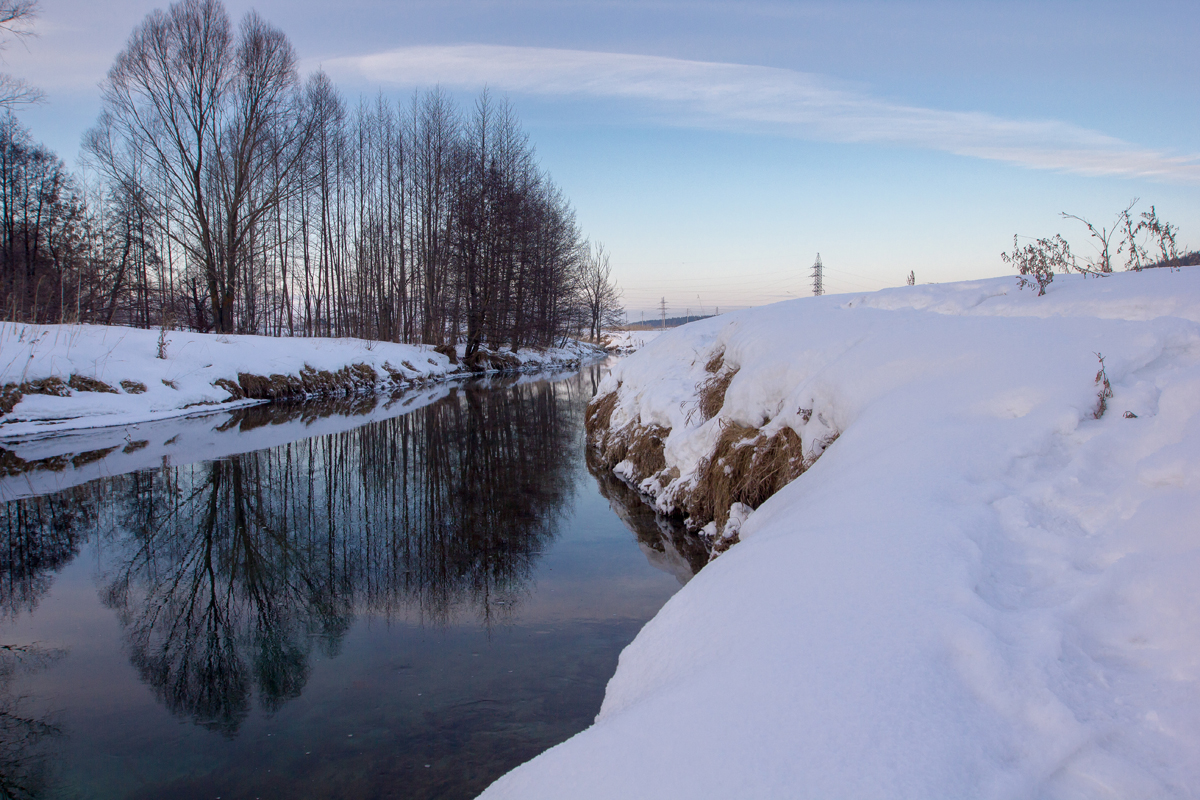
232	196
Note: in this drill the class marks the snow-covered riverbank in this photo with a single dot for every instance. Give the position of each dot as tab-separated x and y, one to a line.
628	341
56	378
983	587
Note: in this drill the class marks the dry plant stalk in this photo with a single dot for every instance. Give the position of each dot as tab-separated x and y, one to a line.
715	362
711	394
1103	390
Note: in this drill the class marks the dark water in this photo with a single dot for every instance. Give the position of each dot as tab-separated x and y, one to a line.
407	609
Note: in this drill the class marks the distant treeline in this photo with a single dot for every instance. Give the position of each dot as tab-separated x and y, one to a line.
1191	259
231	196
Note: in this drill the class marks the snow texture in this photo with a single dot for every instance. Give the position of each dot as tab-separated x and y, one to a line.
185	381
979	590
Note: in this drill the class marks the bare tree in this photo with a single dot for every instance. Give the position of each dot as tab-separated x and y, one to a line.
230	197
15	18
601	295
219	120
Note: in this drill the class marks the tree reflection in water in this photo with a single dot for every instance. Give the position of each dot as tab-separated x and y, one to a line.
226	574
25	739
38	536
663	539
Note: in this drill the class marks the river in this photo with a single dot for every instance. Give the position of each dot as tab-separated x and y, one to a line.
379	598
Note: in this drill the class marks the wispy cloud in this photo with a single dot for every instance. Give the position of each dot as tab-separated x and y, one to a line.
807	105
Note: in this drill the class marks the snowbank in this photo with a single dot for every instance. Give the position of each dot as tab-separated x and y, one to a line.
67	377
628	341
979	589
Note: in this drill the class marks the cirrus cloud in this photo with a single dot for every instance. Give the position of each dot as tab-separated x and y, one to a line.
765	99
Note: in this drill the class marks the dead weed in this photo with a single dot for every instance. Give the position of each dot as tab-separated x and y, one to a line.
82	383
711	394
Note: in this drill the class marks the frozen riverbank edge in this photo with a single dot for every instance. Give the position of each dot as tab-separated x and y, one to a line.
984	587
61	378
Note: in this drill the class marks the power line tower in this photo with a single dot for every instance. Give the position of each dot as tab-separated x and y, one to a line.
818	276
663	305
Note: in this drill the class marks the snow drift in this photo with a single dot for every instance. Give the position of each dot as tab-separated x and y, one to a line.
985	587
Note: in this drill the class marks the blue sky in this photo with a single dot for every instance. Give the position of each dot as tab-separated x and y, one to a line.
715	147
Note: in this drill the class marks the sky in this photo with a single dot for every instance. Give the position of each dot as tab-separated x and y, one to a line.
715	148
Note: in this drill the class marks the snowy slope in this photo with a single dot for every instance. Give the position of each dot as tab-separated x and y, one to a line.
978	590
185	381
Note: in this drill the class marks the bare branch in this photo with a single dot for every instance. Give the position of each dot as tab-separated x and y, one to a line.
16	15
15	92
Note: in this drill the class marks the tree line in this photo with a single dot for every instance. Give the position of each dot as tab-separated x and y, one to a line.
229	195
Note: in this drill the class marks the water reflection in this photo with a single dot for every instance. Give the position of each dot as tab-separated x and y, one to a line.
663	539
227	574
37	537
26	739
233	580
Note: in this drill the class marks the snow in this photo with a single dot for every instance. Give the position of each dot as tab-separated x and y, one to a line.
978	590
184	382
628	341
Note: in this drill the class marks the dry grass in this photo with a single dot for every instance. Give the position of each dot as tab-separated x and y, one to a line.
235	391
599	413
90	456
715	362
12	464
270	387
645	450
723	543
10	395
711	394
51	386
746	466
317	381
361	377
133	387
310	382
82	383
